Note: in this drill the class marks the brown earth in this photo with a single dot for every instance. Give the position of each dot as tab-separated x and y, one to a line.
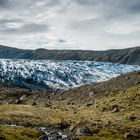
110	110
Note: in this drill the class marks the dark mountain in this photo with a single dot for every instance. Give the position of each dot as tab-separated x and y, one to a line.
125	56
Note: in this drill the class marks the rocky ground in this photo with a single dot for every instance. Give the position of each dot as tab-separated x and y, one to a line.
105	111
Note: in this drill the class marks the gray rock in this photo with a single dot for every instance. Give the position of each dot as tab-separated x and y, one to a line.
91	94
127	78
22	98
115	109
53	93
128	136
89	103
47	104
131	117
107	123
44	137
34	103
137	83
10	101
17	101
4	102
61	98
83	131
72	127
64	124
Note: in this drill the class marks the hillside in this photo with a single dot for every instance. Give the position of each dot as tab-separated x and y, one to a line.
105	111
125	56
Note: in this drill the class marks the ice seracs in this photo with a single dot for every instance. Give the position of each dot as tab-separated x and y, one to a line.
45	74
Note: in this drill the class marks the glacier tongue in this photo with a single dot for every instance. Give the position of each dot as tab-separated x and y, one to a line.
45	74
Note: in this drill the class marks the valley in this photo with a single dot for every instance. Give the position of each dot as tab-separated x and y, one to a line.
69	99
106	110
69	69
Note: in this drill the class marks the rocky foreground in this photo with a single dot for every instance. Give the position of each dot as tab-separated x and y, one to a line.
105	111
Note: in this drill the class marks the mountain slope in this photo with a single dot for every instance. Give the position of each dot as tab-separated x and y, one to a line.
125	56
110	110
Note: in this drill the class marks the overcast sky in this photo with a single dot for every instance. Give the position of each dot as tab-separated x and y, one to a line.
70	24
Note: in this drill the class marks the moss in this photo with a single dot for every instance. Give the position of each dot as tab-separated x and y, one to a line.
73	110
99	138
10	133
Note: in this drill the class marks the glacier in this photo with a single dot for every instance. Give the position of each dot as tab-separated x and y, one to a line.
63	75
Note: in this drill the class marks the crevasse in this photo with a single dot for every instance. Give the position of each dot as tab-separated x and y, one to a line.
45	74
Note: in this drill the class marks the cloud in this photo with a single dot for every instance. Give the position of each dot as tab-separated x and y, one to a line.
34	28
61	40
70	24
4	4
15	28
87	2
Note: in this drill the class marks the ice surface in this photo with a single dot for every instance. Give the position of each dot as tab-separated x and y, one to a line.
43	74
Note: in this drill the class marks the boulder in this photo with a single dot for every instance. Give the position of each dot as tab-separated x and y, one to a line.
91	94
89	103
47	104
137	83
22	98
138	72
127	78
17	101
33	103
4	102
61	98
44	137
83	131
64	124
10	101
115	109
131	117
72	127
129	136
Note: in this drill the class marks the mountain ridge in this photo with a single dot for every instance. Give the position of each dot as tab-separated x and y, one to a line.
125	56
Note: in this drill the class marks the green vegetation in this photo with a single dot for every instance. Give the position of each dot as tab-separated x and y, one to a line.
113	111
11	133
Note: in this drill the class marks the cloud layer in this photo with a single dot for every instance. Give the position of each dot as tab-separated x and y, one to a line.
70	24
